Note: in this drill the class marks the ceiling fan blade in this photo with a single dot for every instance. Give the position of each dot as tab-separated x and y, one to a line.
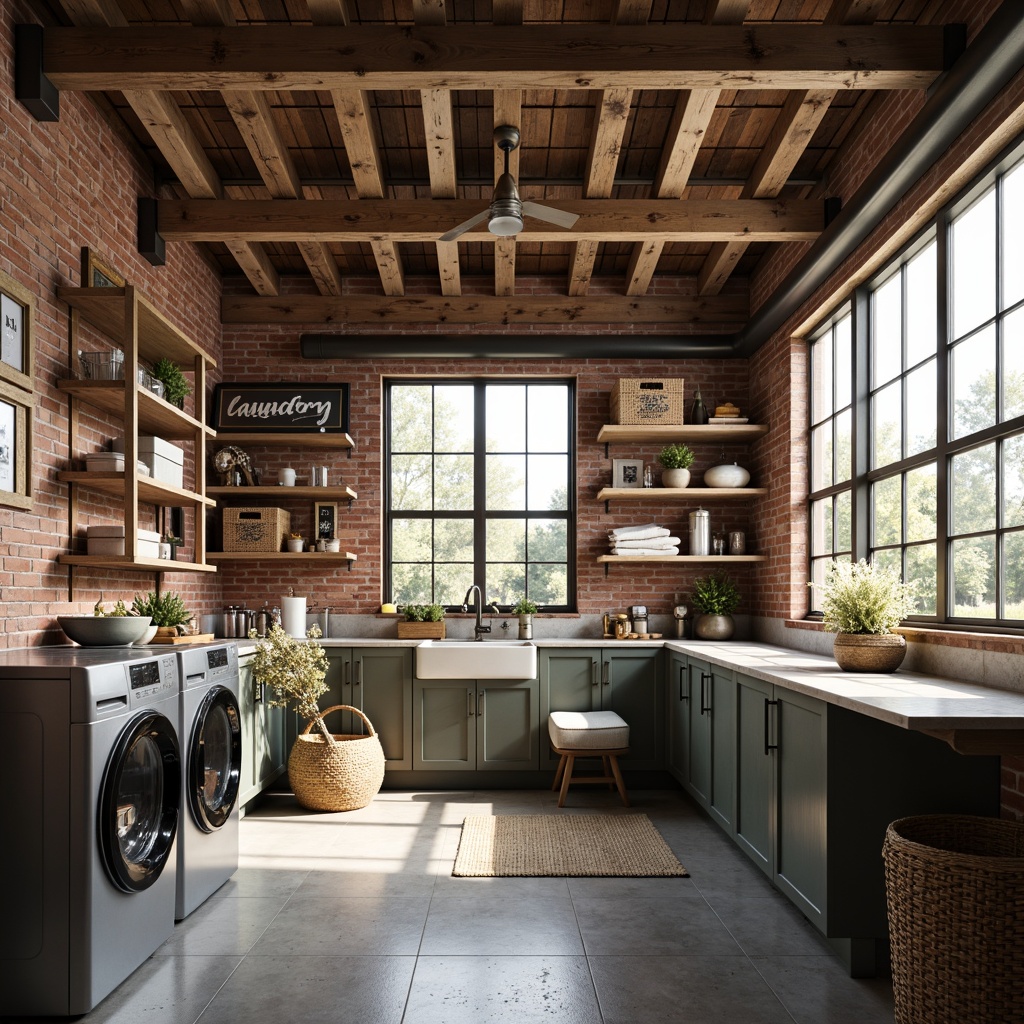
450	236
552	216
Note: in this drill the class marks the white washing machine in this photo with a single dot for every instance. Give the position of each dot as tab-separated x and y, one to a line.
210	727
91	767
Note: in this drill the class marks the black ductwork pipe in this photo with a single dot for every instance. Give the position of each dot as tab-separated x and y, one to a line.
992	59
513	346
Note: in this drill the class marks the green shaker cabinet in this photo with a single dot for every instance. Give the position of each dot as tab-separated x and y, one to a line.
263	736
626	681
378	681
463	725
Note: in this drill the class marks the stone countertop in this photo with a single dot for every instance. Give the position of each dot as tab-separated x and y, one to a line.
909	700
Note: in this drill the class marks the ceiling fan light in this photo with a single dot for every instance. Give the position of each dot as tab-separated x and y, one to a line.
505	224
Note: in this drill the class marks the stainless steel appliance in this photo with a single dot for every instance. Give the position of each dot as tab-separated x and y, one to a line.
700	532
210	726
92	779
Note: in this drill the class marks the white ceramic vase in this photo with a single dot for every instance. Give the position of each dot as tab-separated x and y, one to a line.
675	478
726	475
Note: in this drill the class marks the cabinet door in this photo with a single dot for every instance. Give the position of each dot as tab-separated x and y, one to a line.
263	738
631	687
754	768
800	811
722	711
569	681
444	724
339	690
698	739
507	726
678	716
382	690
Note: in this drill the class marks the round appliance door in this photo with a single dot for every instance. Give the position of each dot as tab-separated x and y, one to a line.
215	759
139	802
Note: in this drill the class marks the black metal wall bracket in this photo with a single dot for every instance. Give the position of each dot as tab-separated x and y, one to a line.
31	86
150	241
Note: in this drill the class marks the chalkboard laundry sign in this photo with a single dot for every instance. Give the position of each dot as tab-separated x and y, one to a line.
286	408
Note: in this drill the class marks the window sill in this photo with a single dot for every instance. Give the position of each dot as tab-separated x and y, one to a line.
1002	643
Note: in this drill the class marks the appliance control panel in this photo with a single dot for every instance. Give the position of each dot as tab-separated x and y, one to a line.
152	679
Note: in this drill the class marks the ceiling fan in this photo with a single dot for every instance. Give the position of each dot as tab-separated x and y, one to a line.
505	214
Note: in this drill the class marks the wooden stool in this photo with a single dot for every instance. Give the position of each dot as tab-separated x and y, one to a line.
600	734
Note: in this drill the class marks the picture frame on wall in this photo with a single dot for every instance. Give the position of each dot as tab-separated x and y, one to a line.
17	309
325	519
16	408
627	472
97	273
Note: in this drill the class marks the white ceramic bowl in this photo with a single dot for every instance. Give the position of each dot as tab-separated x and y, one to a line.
104	630
728	475
147	636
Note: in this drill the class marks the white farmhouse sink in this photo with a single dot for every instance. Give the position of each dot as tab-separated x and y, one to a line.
476	659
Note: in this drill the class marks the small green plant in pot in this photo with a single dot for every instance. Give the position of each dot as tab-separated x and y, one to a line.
525	609
676	460
716	597
167	611
423	621
862	604
176	384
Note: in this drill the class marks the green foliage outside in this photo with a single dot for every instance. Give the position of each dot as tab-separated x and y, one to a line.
715	594
165	609
861	597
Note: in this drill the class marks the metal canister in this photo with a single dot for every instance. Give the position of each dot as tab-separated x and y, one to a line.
700	532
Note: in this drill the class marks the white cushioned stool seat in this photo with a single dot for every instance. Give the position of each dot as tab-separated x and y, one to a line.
587	730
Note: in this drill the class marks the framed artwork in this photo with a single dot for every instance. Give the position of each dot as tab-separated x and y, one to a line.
295	408
325	519
97	273
16	319
16	407
627	472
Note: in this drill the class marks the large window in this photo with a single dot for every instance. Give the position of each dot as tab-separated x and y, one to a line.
480	490
935	432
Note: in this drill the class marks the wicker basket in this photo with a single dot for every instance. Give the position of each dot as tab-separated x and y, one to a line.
641	400
342	776
955	890
256	529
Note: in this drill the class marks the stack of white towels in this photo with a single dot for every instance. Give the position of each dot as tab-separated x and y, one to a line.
643	540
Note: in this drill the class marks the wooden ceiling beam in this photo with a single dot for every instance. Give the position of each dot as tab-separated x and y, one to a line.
507	12
328	12
854	12
483	309
369	220
783	56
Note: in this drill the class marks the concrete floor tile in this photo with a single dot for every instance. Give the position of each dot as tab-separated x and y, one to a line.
473	888
502	990
768	927
314	990
415	880
501	925
222	927
261	882
597	888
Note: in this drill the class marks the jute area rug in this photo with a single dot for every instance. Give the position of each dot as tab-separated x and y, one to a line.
563	845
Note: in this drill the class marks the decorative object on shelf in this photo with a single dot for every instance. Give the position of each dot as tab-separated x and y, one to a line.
333	544
234	466
286	477
648	476
718	543
256	529
285	408
325	516
643	540
698	411
715	596
176	385
627	472
639	400
676	460
17	307
167	610
862	604
727	413
296	542
317	475
700	532
422	622
737	542
728	474
525	609
97	273
104	630
171	543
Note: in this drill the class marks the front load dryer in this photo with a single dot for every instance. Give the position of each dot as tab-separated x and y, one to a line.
92	782
210	728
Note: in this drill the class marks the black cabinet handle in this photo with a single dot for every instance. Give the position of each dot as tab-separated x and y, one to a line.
704	708
682	695
768	745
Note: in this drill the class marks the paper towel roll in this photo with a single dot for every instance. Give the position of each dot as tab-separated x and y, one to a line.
293	616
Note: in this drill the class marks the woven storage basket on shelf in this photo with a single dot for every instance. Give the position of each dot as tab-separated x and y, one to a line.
342	776
955	891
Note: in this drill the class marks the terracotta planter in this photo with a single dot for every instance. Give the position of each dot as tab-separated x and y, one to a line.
675	478
869	652
714	627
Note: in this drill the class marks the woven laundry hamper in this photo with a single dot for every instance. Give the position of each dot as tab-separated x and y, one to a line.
340	776
955	891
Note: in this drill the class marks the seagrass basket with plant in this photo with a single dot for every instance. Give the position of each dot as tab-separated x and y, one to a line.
327	771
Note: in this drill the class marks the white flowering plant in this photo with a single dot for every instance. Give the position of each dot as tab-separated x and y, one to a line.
296	670
861	597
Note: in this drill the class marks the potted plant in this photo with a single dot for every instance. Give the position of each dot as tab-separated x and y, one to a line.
170	544
167	611
422	622
715	597
327	772
176	384
295	542
676	460
862	604
525	609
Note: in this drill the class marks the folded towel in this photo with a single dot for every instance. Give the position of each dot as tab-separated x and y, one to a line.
647	532
645	551
654	542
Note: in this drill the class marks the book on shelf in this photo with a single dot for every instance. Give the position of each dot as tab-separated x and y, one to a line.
728	419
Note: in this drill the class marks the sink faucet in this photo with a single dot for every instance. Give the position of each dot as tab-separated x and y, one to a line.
479	628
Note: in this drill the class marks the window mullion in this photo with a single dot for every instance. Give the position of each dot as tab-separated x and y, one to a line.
480	486
942	389
861	425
